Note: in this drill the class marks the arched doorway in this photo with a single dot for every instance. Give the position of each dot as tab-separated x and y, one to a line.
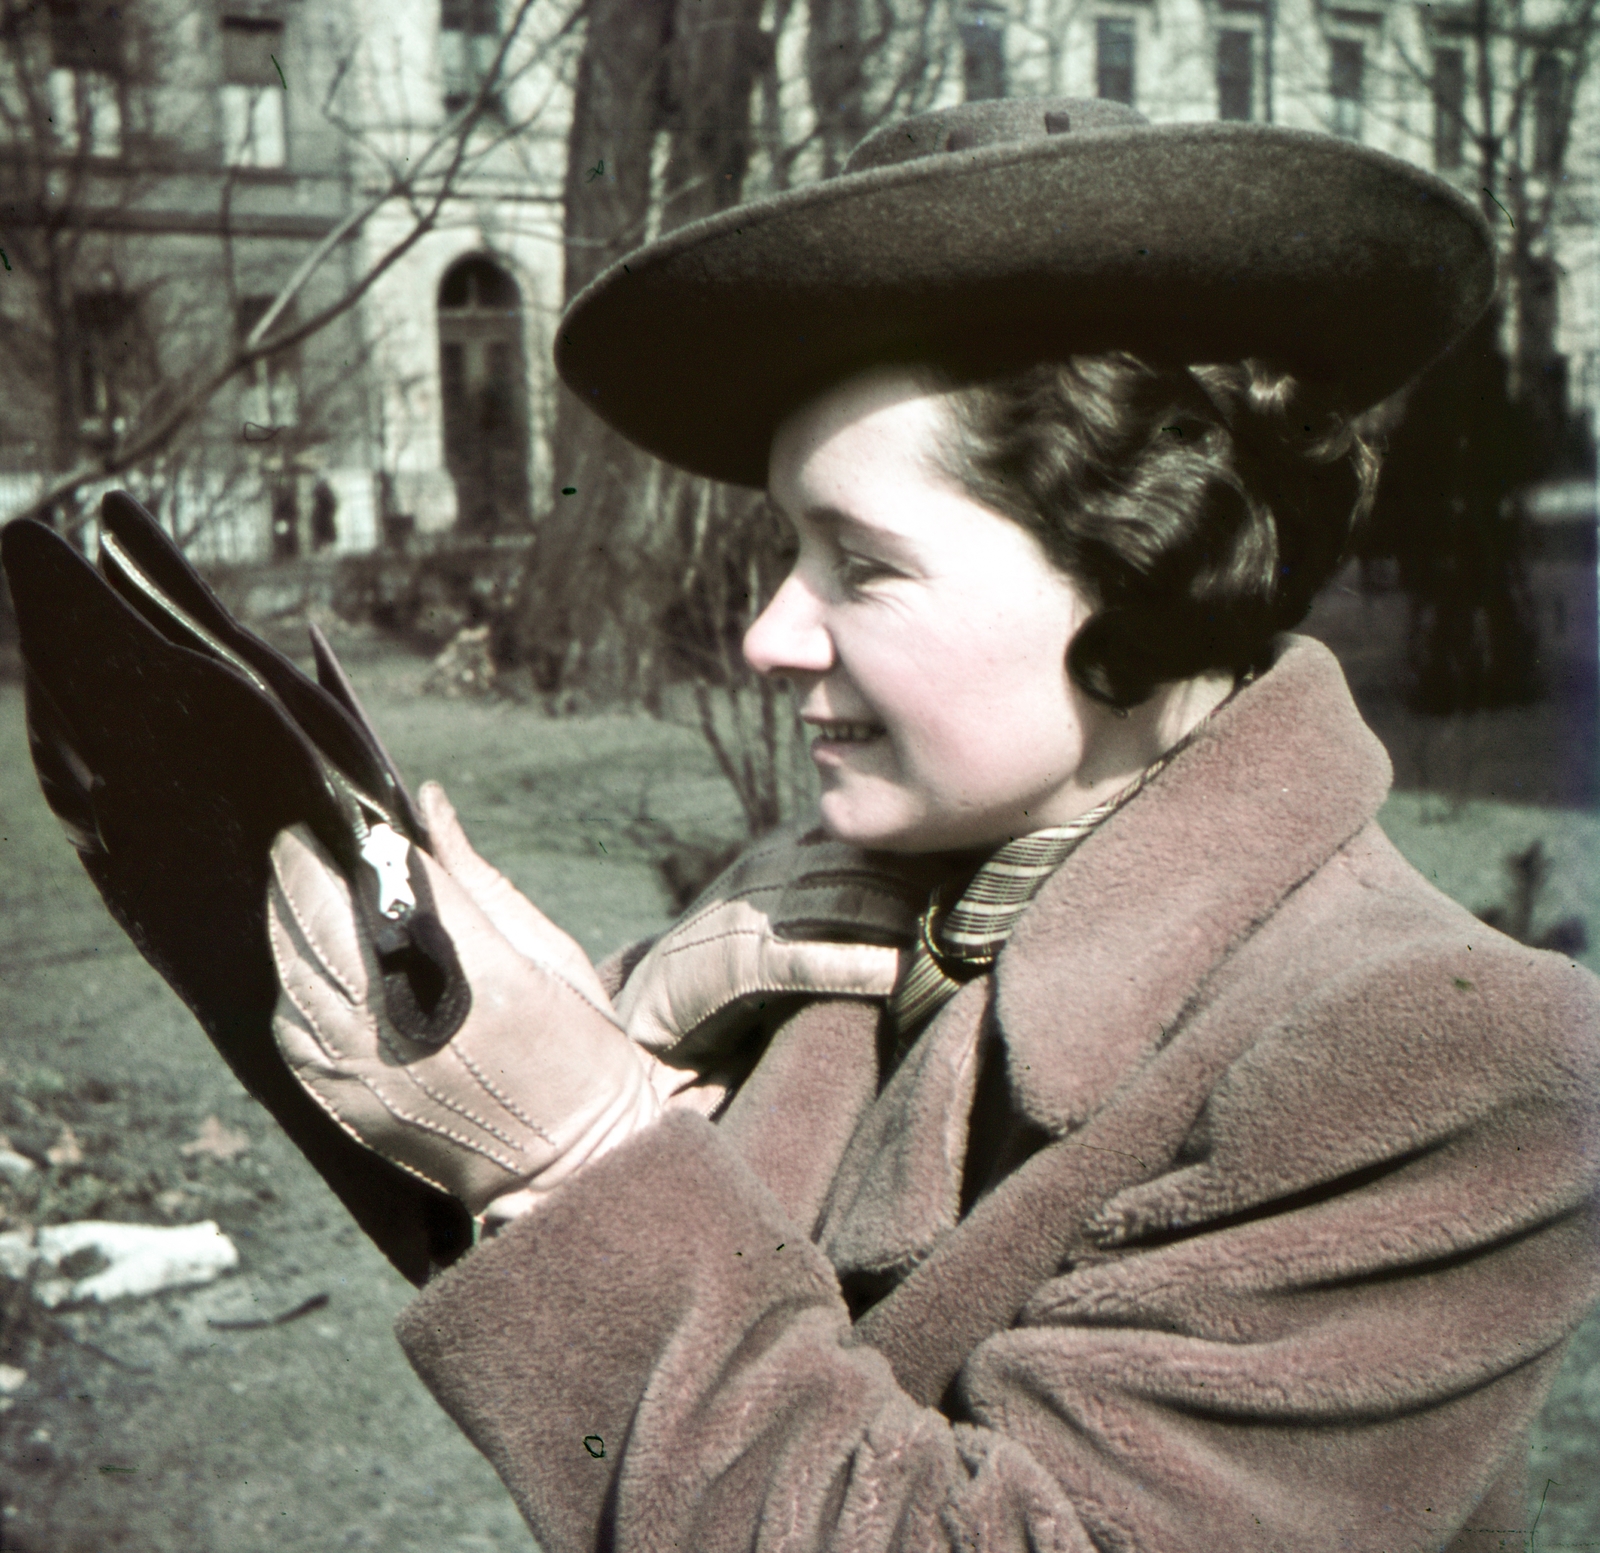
484	386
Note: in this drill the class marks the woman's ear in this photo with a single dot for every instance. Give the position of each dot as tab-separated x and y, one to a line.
1104	706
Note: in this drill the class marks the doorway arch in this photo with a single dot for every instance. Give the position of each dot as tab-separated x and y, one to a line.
483	379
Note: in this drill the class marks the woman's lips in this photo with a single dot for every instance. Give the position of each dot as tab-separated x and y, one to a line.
843	731
838	738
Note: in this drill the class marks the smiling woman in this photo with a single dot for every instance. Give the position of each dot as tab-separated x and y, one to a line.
925	634
1087	1132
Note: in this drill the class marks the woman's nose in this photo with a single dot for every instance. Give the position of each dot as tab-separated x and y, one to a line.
788	636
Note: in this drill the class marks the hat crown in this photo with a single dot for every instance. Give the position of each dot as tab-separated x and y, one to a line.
997	121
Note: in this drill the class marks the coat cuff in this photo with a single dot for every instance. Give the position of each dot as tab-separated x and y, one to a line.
541	1343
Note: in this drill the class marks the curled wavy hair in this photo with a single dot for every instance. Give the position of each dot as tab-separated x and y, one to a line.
1200	508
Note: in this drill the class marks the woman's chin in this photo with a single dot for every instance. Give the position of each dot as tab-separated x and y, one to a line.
856	825
872	829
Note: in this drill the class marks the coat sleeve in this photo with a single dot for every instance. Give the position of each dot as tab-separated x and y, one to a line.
659	1359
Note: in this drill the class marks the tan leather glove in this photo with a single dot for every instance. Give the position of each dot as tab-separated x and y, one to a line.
539	1078
527	929
796	914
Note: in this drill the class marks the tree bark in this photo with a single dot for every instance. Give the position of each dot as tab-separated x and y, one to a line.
718	49
618	111
686	67
835	72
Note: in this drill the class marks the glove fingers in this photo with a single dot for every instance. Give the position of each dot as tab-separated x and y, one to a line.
536	1071
499	907
493	894
316	1024
369	1097
308	891
357	1105
450	844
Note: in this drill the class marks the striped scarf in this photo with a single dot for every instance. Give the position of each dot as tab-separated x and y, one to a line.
958	943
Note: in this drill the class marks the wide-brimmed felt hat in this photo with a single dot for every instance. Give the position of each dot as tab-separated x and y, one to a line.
1004	232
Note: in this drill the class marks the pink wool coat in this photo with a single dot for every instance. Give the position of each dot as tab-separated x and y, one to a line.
1297	1276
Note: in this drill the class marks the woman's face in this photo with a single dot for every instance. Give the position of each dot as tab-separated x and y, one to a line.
926	637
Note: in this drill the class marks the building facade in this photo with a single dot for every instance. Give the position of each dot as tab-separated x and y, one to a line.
167	168
461	325
163	172
1497	98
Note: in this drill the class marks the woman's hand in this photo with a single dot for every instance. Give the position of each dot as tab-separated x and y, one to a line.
538	1079
527	929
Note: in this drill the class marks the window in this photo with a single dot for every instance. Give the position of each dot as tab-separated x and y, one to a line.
272	384
1449	107
86	54
484	392
1548	83
469	39
983	54
252	93
113	361
1113	51
1236	75
1346	69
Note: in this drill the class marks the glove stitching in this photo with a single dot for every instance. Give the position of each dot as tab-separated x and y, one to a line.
547	965
330	1058
765	931
511	1167
337	1057
601	1005
307	1075
316	948
309	1084
410	1069
683	945
567	987
504	1099
722	903
285	981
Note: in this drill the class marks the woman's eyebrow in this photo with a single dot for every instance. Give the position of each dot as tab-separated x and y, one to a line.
841	525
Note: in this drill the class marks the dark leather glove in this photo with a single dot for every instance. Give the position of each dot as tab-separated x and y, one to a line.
175	746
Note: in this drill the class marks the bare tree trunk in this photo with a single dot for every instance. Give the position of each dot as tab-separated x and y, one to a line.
718	50
618	108
616	113
835	71
62	325
648	66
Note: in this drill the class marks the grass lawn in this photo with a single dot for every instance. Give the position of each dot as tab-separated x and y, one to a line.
313	1435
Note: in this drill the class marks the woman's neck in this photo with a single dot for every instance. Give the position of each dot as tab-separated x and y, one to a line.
1121	747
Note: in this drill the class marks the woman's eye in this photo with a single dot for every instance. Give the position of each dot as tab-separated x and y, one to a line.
857	569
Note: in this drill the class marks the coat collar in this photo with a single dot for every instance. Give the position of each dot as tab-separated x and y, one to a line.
1115	945
1121	936
897	1189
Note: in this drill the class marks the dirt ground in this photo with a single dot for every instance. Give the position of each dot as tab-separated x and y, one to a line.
147	1426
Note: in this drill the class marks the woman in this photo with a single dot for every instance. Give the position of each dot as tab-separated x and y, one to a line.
1093	1134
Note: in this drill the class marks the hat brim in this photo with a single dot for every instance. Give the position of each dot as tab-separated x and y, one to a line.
1181	243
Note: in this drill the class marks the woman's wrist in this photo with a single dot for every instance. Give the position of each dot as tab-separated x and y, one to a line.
630	1113
504	1209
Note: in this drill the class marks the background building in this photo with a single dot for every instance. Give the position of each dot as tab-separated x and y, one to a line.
461	325
162	173
447	172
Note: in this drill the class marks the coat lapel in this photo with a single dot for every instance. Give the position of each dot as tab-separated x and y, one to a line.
1098	971
1102	968
898	1188
793	1117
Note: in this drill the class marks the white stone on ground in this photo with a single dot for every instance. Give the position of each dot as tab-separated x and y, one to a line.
143	1259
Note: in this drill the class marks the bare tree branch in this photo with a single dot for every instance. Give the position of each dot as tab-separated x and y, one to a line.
426	183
